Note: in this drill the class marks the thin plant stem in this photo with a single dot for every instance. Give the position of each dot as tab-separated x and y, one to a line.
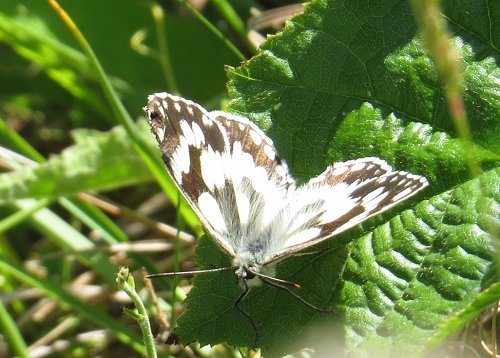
447	60
214	30
126	283
176	261
234	21
164	53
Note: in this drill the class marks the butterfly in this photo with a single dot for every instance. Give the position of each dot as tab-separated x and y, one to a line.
229	171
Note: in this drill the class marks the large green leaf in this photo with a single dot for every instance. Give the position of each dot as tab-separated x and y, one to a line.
344	80
411	274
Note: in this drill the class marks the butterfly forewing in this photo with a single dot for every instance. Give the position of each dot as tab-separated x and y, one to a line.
186	134
225	165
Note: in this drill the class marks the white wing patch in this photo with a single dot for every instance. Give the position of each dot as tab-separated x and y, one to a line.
181	157
243	204
211	162
209	206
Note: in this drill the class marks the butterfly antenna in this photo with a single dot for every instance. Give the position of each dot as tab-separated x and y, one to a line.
240	298
189	273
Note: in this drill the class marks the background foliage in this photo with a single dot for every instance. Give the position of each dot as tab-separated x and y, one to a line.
344	80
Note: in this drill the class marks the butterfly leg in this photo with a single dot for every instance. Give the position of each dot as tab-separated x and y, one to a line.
308	304
241	297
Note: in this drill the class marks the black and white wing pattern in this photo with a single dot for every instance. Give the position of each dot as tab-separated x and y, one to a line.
343	196
229	171
225	166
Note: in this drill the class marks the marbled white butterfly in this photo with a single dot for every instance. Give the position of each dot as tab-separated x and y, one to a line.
230	173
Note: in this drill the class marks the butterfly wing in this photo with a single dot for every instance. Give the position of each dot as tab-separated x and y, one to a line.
225	166
343	196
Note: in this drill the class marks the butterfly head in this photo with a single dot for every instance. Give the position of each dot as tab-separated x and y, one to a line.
249	266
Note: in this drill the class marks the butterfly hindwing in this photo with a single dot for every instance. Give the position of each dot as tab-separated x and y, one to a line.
343	196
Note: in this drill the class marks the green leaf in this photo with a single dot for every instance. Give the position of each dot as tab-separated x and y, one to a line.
335	57
345	80
414	146
414	272
98	161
